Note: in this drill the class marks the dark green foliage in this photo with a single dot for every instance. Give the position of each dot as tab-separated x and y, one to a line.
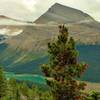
34	93
13	89
3	85
24	89
63	68
45	96
93	95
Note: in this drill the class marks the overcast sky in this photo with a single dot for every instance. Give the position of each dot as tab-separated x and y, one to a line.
32	9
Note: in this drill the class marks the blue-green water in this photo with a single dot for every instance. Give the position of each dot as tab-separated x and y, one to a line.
38	79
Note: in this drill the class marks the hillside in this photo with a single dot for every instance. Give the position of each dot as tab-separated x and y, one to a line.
8	28
81	25
23	49
5	20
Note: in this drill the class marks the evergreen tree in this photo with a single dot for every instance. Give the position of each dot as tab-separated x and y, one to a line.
13	89
63	68
93	95
3	85
24	89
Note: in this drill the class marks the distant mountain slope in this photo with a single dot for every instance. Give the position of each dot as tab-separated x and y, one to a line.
63	14
2	17
5	20
24	52
81	25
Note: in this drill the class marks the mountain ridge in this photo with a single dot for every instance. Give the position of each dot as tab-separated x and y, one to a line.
13	19
64	13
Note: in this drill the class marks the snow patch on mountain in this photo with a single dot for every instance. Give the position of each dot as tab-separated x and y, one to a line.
9	32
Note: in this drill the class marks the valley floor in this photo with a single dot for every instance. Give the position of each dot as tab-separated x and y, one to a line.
93	86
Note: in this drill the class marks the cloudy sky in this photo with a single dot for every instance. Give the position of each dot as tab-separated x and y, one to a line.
32	9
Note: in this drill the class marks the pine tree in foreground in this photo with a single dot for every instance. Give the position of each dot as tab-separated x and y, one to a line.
3	85
63	68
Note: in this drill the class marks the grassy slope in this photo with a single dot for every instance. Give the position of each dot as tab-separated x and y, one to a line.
20	61
93	86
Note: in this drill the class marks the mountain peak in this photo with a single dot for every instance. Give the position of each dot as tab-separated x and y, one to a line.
56	4
62	14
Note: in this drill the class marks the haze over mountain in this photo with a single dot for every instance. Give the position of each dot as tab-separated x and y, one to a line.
30	10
